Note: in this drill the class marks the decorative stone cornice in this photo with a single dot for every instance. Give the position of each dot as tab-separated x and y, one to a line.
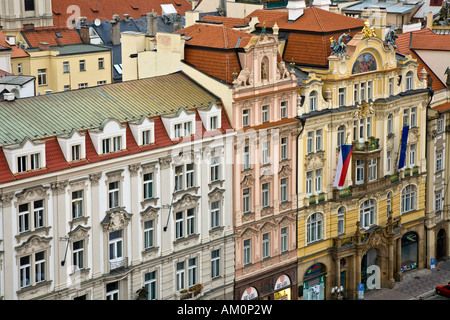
164	162
58	187
95	177
134	168
7	199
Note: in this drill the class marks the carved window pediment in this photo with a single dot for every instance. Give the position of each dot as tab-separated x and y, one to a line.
79	233
149	213
315	160
31	194
285	171
248	181
187	200
216	194
33	244
116	219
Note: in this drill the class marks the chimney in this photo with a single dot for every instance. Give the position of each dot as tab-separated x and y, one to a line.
44	46
82	20
191	17
295	9
152	23
322	4
126	17
177	26
84	34
430	20
115	30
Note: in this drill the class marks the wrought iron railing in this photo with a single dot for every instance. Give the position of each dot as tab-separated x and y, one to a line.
118	264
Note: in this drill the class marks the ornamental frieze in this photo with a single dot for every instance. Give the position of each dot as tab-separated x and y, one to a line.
31	194
116	219
315	160
33	244
248	181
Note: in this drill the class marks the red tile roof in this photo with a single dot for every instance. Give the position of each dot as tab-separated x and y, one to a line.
440	42
16	51
105	9
403	43
226	21
312	20
56	161
52	35
443	107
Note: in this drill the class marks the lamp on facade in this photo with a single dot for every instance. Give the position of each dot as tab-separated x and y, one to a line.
337	292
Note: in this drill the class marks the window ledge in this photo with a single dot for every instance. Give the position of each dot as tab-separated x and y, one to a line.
42	284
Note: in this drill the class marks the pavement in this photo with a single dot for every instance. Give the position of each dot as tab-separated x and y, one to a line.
417	284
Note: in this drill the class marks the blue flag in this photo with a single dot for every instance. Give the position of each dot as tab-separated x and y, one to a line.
404	141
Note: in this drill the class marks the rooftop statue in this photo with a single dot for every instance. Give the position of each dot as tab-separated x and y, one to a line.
390	38
338	47
367	31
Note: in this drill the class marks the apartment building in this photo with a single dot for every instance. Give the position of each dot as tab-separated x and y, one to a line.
117	192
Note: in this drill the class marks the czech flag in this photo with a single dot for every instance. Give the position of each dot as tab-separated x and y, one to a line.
342	166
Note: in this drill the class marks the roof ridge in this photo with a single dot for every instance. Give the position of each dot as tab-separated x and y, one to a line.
316	15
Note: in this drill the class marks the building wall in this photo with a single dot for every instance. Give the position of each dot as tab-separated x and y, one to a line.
13	15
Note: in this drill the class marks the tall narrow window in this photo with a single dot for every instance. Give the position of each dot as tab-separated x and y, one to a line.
179	224
318	140
341	135
388	162
76	152
310	142
283	190
391	86
215	169
215	214
66	66
180	276
314	228
112	291
192	272
372	169
313	101
284	151
215	263
369	90
284	239
190	176
412	155
82	65
413	117
245	117
341	220
408	199
318	180
247	251
148	186
146	137
24	217
246	157
38	213
150	284
101	63
78	254
390	124
113	194
359	171
265	114
22	164
283	109
363	91
190	221
178	178
77	204
149	234
341	97
265	195
408	80
246	200
265	153
309	177
115	245
367	213
266	245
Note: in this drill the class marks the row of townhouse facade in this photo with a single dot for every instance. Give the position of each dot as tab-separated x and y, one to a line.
245	208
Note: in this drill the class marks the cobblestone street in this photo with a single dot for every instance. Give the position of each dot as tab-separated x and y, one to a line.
416	284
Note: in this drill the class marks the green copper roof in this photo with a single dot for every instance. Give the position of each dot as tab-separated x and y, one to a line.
60	113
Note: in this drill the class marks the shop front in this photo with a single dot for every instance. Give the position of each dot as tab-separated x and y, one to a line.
314	282
409	251
283	288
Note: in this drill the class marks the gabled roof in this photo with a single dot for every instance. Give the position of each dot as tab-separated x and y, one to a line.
105	9
52	35
404	42
313	20
17	52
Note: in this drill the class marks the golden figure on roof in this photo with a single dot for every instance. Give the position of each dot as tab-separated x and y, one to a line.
368	32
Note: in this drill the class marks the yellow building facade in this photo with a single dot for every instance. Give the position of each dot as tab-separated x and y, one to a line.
365	234
67	67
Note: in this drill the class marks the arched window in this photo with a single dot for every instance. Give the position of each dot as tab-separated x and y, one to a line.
341	220
314	228
341	135
313	101
409	198
408	80
367	213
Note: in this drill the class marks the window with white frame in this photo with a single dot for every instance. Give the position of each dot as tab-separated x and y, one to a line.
284	190
359	171
361	128
179	178
413	117
182	129
438	201
388	161
82	64
213	122
31	216
356	93
369	90
215	263
265	153
314	228
148	185
32	269
341	135
318	140
367	213
146	137
149	234
42	77
318	180
313	101
355	130
112	144
101	63
185	223
192	272
185	176
28	162
283	109
113	194
151	284
215	169
412	155
440	125
391	86
247	251
116	245
76	152
265	113
190	175
190	221
389	203
284	148
66	67
369	127
341	220
405	117
179	224
265	195
215	214
78	255
363	91
245	117
439	166
246	161
408	199
373	169
408	80
77	204
246	200
181	276
310	142
112	291
284	239
390	123
309	178
266	245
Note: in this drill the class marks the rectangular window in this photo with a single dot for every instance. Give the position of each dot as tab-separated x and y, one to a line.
245	117
190	176
355	130
22	164
369	127
247	251
284	239
318	181
106	146
25	271
66	87
363	91
215	263
372	169
192	272
146	137
151	285
283	109
29	5
265	153
438	201
149	234
318	140
215	169
310	142
178	178
76	152
412	155
246	157
341	96
359	171
265	195
179	225
440	125
115	245
283	190
35	162
361	128
178	130
309	176
213	123
101	63
369	90
148	185
405	117
112	291
413	117
439	162
190	222
117	143
391	86
355	93
187	129
265	114
215	214
246	200
77	204
78	255
66	67
82	65
266	245
38	213
113	194
180	276
388	162
42	77
19	68
284	150
24	217
340	222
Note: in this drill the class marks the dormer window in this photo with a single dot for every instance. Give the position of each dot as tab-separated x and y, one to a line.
113	144
26	156
28	162
110	137
213	122
143	131
182	130
73	146
211	117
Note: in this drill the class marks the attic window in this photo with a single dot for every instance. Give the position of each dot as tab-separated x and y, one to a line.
29	5
58	34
